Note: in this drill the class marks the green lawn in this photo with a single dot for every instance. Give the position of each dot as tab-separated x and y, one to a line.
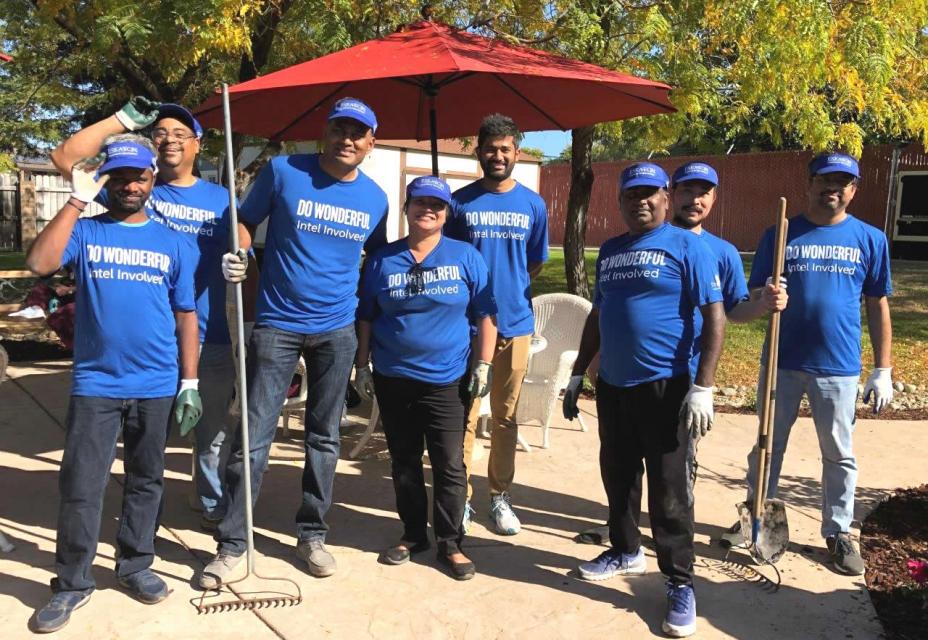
739	362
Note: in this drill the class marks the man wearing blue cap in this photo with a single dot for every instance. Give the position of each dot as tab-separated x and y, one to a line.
649	283
508	224
832	259
197	209
322	211
135	320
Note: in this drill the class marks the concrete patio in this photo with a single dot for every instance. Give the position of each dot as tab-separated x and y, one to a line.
525	585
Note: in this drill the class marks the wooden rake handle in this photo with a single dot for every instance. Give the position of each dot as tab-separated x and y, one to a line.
768	407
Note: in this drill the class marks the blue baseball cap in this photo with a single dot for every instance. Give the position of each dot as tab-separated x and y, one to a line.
127	154
643	174
696	171
356	110
833	163
178	112
429	186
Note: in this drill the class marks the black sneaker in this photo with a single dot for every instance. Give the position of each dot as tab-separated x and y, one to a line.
57	612
145	586
844	555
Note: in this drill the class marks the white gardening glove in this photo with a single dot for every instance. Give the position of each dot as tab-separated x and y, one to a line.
571	395
480	379
696	412
84	182
138	113
880	386
234	265
364	382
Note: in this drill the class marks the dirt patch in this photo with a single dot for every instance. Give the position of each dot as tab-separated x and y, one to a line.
863	413
895	533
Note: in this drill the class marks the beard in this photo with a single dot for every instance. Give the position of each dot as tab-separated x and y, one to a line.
126	204
684	221
497	174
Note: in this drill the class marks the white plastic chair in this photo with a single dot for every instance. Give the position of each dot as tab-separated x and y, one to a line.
297	403
559	320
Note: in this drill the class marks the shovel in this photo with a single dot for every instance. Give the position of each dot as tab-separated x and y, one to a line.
764	522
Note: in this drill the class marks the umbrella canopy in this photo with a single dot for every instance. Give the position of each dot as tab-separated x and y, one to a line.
427	64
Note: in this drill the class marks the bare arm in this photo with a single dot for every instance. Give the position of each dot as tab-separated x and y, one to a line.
188	340
763	300
534	268
713	336
246	235
44	257
589	343
363	354
83	144
485	344
881	330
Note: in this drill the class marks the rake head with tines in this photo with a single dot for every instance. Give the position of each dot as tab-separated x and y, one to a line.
245	600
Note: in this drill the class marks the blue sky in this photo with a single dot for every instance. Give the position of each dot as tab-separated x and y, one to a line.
550	142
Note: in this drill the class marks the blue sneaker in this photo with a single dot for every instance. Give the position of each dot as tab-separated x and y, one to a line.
469	514
144	586
613	563
57	612
680	620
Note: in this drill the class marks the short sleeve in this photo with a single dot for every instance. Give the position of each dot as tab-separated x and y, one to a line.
482	301
878	281
762	266
537	246
367	292
260	200
72	251
455	227
734	286
378	237
183	297
701	273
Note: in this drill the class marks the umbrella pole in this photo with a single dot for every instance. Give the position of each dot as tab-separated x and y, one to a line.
433	130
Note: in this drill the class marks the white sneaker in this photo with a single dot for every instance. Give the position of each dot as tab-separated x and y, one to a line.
504	519
733	538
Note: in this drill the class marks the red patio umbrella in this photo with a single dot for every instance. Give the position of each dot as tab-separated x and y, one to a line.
429	80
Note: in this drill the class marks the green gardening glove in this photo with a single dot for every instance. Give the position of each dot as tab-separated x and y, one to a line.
187	406
138	113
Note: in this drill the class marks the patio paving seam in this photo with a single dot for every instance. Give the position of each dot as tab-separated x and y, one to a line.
174	534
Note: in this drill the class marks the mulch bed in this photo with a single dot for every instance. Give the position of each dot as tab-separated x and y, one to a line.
897	531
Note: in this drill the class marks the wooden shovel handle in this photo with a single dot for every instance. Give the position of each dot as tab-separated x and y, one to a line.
765	426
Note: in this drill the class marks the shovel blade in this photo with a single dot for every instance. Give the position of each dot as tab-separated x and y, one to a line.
769	542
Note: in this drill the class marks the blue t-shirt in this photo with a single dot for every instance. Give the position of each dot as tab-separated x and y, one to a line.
828	268
423	332
317	228
130	280
648	287
201	213
510	230
734	287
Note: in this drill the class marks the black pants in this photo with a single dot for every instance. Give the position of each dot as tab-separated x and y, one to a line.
411	410
93	425
640	426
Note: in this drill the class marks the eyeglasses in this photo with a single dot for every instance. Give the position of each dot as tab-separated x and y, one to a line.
160	135
415	280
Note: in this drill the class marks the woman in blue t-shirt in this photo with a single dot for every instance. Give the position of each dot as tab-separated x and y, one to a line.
419	298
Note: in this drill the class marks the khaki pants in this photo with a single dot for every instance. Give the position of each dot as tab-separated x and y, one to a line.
510	361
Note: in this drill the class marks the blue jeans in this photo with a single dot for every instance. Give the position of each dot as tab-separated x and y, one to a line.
272	359
211	435
832	400
92	428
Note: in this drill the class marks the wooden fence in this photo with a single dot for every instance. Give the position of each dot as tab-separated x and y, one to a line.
750	186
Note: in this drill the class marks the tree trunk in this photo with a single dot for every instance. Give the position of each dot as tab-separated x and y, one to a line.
578	203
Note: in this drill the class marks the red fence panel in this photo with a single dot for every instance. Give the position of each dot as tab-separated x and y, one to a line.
749	191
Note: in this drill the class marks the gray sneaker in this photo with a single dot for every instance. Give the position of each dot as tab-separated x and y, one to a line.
220	570
321	563
844	555
503	517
